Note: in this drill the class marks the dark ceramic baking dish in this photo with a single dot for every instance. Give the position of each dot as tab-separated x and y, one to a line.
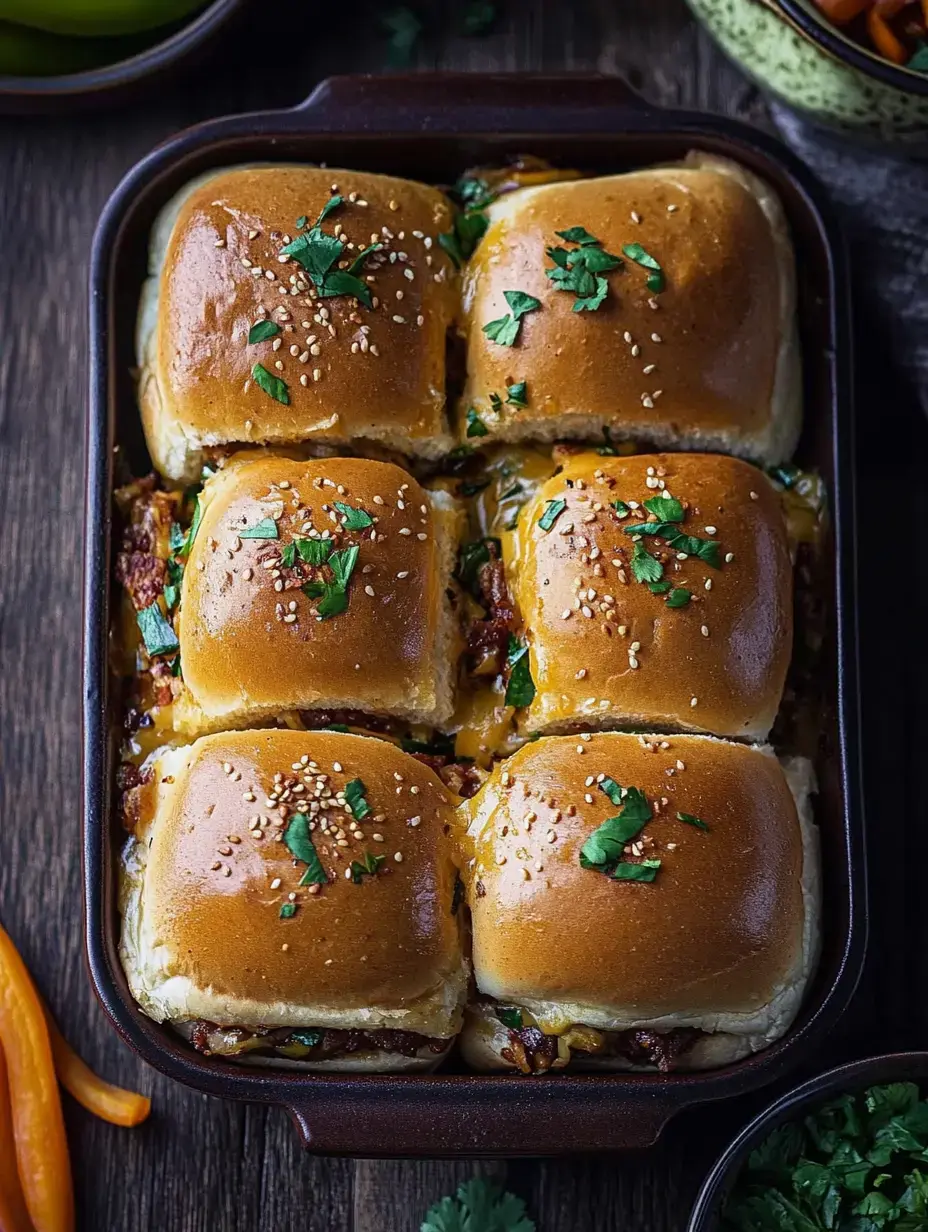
431	127
894	1067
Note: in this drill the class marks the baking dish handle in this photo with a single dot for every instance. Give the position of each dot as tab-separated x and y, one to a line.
454	1116
436	102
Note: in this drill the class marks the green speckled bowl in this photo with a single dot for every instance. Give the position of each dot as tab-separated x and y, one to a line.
792	51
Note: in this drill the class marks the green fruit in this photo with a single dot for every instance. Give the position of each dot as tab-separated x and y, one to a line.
35	53
92	18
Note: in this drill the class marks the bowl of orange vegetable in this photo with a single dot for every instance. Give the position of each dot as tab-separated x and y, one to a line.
859	65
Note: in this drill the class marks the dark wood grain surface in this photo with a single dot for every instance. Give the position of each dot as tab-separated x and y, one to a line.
201	1165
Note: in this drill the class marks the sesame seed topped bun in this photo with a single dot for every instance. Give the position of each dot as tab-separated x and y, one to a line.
281	879
317	585
685	623
624	883
669	318
223	296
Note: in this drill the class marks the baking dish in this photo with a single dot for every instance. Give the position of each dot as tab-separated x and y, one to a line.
431	127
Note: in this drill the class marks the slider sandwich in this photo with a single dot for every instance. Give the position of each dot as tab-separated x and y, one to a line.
638	902
657	305
289	897
303	587
295	304
654	591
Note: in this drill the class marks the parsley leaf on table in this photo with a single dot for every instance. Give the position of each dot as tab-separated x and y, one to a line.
479	1206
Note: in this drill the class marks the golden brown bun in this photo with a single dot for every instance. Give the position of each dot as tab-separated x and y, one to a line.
634	660
202	934
725	356
381	379
723	940
389	653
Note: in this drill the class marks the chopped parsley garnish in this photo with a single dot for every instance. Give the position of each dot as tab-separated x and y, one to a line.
612	790
667	508
640	256
703	549
317	252
365	868
466	233
272	385
181	543
332	596
659	588
645	567
342	563
606	844
517	395
157	634
496	403
679	597
314	551
355	519
478	1206
645	871
265	529
505	330
855	1163
510	1016
356	800
475	425
553	510
175	666
580	270
472	557
692	821
175	575
621	508
288	555
438	746
288	911
262	330
299	843
520	688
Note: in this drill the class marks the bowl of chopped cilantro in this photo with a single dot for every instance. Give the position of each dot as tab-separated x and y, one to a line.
847	1151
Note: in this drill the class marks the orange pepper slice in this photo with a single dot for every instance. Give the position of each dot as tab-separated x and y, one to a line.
13	1214
110	1103
884	40
38	1126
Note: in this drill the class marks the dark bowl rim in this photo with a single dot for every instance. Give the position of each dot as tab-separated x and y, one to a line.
854	1076
159	56
831	40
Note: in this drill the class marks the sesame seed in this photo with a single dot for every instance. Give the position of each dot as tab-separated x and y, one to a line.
753	496
249	796
317	374
398	857
656	338
694	701
729	557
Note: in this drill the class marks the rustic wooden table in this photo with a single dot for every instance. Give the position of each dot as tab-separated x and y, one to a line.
200	1164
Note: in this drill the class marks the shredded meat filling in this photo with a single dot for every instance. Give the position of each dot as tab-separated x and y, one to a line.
489	638
310	1043
533	1052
